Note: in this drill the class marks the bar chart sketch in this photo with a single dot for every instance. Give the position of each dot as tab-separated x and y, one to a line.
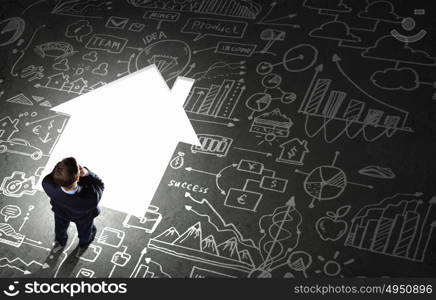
337	113
400	226
230	8
218	101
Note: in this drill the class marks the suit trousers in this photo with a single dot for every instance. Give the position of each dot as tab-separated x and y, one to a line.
84	229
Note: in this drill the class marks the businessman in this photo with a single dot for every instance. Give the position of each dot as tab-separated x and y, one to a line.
74	193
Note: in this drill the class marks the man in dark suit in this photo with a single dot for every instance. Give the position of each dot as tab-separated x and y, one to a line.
74	193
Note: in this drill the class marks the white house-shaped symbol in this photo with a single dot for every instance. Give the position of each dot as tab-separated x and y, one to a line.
126	132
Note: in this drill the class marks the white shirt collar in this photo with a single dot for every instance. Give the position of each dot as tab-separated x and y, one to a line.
72	192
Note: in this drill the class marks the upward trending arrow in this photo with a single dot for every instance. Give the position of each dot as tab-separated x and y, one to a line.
126	132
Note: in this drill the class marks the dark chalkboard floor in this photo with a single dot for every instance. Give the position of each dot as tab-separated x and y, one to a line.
317	125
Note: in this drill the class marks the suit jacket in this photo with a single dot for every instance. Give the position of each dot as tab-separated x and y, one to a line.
79	206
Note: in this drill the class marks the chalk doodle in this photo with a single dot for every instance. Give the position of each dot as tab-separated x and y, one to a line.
22	147
119	259
408	24
22	266
32	73
271	126
377	172
78	30
216	103
109	43
203	27
341	114
10	212
18	184
9	236
117	22
309	115
8	127
276	16
11	30
147	268
90	254
60	82
81	8
85	273
296	59
171	57
212	144
326	182
229	8
61	65
23	51
178	161
280	236
197	272
271	36
335	6
48	129
55	50
148	222
231	48
111	237
293	152
329	228
400	226
333	267
160	16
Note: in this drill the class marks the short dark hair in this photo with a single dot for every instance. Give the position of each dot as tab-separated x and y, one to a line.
65	172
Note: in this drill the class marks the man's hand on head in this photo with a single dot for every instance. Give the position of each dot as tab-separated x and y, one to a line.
83	171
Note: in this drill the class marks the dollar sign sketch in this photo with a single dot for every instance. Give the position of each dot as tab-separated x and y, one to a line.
274	183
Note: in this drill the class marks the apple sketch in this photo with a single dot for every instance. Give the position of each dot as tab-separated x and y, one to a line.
329	227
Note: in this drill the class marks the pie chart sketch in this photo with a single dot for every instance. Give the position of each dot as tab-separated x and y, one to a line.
326	182
258	102
11	30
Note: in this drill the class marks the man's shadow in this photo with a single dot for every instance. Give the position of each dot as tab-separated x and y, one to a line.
69	264
50	265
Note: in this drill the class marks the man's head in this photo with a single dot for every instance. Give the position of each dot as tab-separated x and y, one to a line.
66	173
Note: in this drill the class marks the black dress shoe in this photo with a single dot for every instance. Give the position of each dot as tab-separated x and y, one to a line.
58	246
57	243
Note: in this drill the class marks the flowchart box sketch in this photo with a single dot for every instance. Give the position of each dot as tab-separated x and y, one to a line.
148	222
250	166
273	184
111	237
241	199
